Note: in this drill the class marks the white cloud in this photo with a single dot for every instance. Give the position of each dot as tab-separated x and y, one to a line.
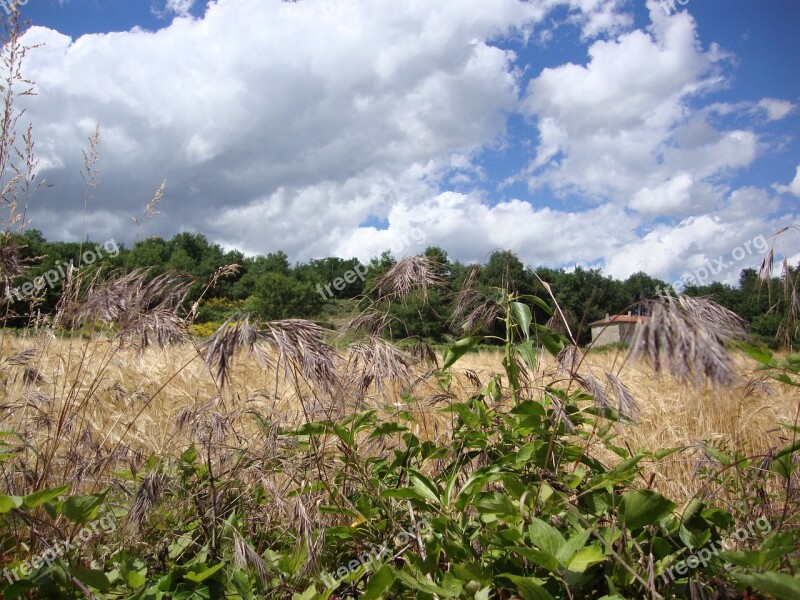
705	246
792	188
180	8
669	198
776	109
611	129
258	97
599	17
293	126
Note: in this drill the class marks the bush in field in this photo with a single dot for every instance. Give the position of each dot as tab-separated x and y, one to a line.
278	296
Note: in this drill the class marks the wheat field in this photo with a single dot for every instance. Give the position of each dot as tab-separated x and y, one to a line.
97	407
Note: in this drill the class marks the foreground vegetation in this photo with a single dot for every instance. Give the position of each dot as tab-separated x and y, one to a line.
301	472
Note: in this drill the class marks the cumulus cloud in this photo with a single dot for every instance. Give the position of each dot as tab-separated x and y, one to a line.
264	96
613	128
792	188
301	126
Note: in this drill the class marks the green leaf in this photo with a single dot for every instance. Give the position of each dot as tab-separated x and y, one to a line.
529	588
545	536
135	579
424	486
553	342
512	371
313	428
417	581
90	577
529	408
309	594
539	557
179	546
761	355
622	472
527	350
720	456
538	302
387	428
403	494
779	585
200	576
663	453
42	496
183	592
459	349
788	449
241	581
132	570
83	507
521	313
478	480
361	419
381	581
644	507
783	378
585	558
568	551
8	503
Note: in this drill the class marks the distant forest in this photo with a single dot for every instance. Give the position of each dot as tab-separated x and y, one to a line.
327	289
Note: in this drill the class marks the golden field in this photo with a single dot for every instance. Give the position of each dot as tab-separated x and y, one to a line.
93	407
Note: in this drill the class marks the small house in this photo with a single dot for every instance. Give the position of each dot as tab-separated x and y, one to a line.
615	329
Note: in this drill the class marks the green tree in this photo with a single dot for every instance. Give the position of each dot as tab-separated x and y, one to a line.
279	296
505	270
324	271
640	286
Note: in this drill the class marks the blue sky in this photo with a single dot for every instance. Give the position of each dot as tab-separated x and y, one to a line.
618	134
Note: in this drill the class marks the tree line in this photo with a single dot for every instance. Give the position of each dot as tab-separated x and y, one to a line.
270	287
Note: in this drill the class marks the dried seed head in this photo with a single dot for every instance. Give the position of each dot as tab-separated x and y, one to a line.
423	352
376	360
475	312
370	321
142	307
626	403
147	497
409	275
685	337
245	557
219	349
302	347
595	388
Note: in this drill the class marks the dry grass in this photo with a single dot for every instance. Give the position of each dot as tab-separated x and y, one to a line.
114	407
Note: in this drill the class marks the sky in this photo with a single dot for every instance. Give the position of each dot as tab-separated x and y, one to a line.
627	135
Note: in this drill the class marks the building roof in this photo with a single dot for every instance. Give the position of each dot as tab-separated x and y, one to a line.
612	320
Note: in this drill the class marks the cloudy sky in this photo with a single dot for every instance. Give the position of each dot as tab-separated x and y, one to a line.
621	134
